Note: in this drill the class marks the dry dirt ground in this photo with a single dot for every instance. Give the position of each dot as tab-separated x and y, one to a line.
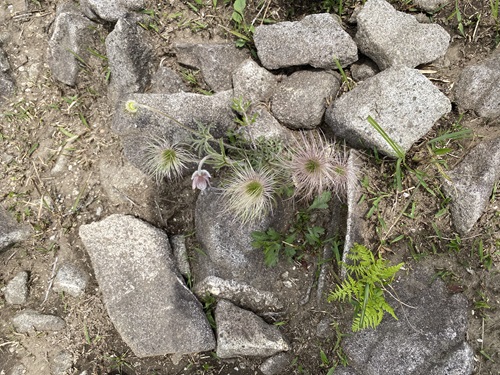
58	153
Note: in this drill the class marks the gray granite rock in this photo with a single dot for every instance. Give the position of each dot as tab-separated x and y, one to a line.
478	87
253	83
316	40
61	363
392	38
4	60
277	364
300	100
70	279
242	333
16	291
217	61
471	183
137	129
130	59
166	81
363	69
10	231
7	84
32	321
265	126
430	5
238	293
109	10
144	295
18	369
71	37
402	101
178	243
424	336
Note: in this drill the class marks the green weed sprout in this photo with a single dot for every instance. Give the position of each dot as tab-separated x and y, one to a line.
364	287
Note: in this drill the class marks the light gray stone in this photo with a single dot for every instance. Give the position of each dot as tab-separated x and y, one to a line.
70	279
16	291
72	36
301	99
61	363
10	231
166	81
253	83
316	40
238	293
402	101
363	69
32	321
459	361
242	333
430	5
422	338
178	243
392	38
478	87
144	295
110	10
276	364
471	183
217	61
130	59
265	126
137	129
18	369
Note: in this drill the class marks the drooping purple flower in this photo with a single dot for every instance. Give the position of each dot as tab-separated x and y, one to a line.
201	179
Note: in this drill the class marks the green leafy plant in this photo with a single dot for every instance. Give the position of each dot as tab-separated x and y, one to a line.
302	236
364	286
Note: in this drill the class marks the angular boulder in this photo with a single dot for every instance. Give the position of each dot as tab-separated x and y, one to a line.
72	35
471	182
16	291
401	100
300	100
110	10
316	40
424	339
253	83
166	81
216	61
478	87
242	333
393	38
70	279
10	231
145	296
130	59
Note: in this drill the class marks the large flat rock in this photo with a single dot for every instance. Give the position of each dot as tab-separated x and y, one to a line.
146	299
392	38
401	100
316	40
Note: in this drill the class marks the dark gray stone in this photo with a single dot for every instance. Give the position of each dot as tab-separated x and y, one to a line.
478	87
109	10
144	295
166	81
4	60
253	83
7	84
16	291
239	293
316	40
300	100
276	364
137	129
32	321
70	279
242	333
10	231
61	363
72	36
130	59
423	337
363	69
393	38
216	61
402	101
178	243
471	182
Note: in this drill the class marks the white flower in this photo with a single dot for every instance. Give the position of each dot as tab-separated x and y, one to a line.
201	179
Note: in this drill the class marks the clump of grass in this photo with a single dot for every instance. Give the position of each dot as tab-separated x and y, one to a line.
249	193
165	159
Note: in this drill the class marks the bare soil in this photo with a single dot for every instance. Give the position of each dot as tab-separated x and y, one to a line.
62	167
